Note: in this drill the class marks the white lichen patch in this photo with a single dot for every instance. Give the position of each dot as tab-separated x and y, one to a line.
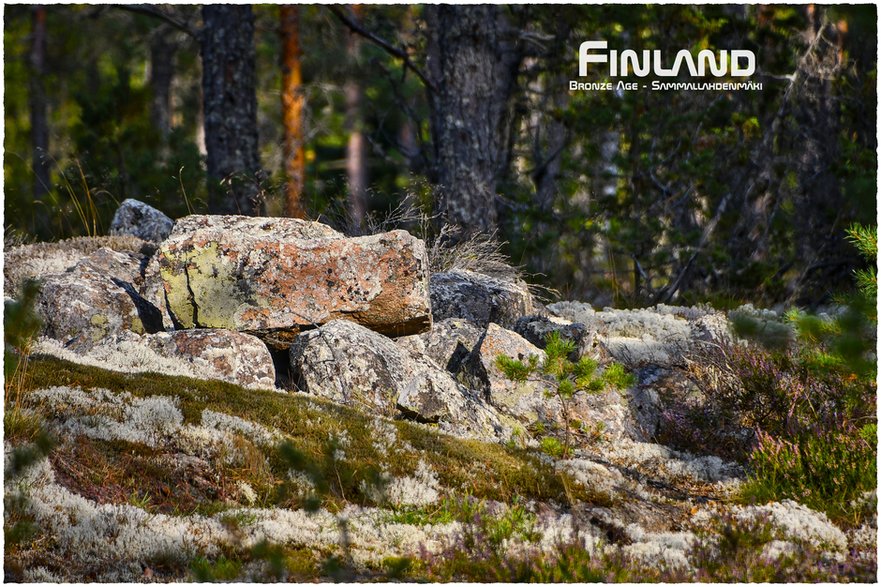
256	433
659	549
672	465
593	475
790	521
384	436
104	415
129	353
421	489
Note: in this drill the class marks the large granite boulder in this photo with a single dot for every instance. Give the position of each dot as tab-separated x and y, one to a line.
141	220
89	302
479	298
274	276
448	343
349	364
37	260
219	354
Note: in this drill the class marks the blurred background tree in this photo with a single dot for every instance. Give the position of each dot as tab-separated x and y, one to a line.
625	198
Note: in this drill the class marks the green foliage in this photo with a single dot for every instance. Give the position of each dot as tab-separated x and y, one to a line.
865	239
569	378
220	569
553	447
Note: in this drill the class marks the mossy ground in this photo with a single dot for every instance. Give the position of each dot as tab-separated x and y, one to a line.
470	473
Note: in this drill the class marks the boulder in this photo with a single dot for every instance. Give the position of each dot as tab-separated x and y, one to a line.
274	276
524	401
38	260
349	364
448	342
126	266
224	355
536	329
141	220
220	354
83	306
479	298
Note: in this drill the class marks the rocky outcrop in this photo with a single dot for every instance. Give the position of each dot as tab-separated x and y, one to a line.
349	364
274	276
479	298
652	336
225	355
448	343
135	218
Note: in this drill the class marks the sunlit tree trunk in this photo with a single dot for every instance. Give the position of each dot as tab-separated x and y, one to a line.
292	103
230	102
356	148
38	109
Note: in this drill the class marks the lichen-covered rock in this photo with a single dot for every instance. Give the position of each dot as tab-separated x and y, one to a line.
141	220
125	266
479	298
37	260
524	401
648	336
273	276
448	343
203	354
153	290
536	329
83	306
349	364
224	354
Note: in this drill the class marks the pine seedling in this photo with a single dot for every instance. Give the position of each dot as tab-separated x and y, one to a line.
569	377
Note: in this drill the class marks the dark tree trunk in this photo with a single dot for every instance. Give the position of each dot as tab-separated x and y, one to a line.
230	104
39	123
162	51
356	148
292	103
473	64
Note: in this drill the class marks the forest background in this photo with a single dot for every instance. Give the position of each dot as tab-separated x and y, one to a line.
349	113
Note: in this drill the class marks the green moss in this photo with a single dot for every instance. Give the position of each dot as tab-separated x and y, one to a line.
488	471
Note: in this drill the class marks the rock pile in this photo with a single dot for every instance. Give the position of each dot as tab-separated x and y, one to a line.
296	305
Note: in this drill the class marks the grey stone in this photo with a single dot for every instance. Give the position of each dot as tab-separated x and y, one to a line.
448	342
35	261
536	329
479	298
141	220
349	364
84	306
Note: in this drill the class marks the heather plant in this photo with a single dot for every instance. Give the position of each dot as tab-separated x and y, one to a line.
569	377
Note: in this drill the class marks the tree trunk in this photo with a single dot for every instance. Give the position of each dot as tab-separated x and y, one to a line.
356	148
473	65
39	123
292	103
230	104
162	51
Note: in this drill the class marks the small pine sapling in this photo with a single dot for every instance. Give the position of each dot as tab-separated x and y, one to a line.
569	378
